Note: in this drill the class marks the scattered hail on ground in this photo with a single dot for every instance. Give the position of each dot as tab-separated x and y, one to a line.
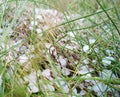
24	52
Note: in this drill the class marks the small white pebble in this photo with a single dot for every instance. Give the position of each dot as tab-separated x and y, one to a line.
92	40
85	48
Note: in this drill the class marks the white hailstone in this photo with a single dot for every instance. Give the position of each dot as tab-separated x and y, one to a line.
1	30
47	45
99	88
81	21
110	58
87	76
36	10
60	82
109	52
50	87
82	92
31	78
66	71
86	61
39	31
90	87
31	28
66	88
58	67
18	42
9	57
94	61
75	91
63	61
31	48
81	86
47	73
39	17
107	74
0	80
71	34
34	23
45	27
53	51
92	40
57	20
1	1
85	69
107	60
23	49
76	62
86	48
96	50
34	89
23	59
69	47
3	45
73	96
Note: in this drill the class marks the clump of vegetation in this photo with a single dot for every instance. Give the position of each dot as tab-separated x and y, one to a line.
51	48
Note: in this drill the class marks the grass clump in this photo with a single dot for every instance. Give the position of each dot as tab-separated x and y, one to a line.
59	48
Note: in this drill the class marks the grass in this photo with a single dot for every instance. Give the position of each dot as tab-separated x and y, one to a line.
77	56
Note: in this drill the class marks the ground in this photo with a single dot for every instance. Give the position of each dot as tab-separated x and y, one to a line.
59	48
